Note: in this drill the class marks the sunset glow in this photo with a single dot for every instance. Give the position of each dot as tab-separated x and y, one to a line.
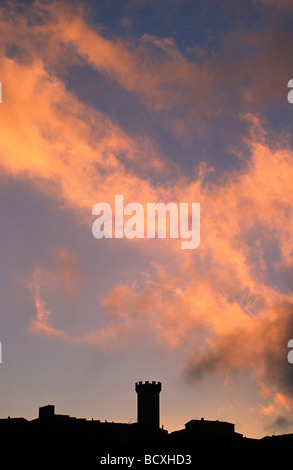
172	101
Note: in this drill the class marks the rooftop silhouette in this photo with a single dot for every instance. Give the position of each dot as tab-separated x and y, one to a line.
88	441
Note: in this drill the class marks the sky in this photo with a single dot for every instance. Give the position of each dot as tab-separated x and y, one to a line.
172	101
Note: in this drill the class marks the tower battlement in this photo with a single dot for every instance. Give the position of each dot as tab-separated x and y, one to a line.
148	386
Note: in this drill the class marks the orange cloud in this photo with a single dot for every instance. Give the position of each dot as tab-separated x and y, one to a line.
44	138
119	327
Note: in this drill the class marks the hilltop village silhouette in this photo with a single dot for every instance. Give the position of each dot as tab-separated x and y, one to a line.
93	441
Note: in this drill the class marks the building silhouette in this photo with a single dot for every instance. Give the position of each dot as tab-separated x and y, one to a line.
73	440
148	404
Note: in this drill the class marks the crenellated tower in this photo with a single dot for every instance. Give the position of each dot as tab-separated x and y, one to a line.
148	404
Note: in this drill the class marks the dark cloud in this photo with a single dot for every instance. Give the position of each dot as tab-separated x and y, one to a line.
260	346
